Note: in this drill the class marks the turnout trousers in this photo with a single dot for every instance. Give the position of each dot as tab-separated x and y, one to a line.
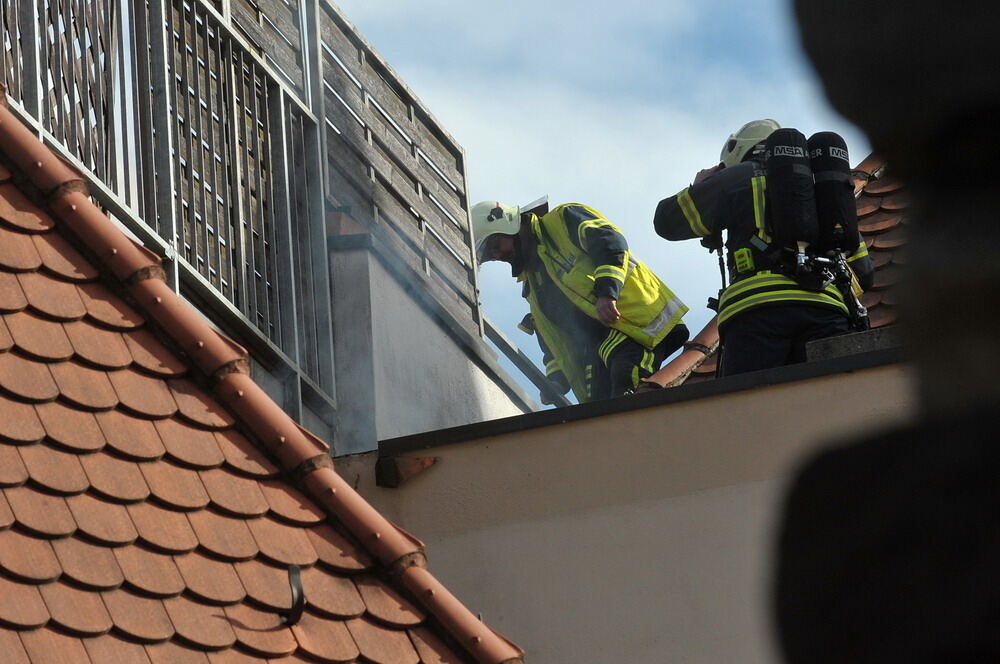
776	335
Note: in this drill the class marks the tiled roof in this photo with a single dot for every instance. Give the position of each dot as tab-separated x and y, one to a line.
882	219
145	514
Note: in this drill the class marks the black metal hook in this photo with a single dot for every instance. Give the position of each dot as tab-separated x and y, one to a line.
298	596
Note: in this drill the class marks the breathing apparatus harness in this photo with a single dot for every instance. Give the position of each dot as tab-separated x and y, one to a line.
810	216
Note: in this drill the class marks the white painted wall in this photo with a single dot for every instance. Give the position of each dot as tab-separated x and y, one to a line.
640	537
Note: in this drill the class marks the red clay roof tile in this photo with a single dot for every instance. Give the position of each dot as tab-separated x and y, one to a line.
21	606
59	472
131	437
20	213
6	515
199	625
61	259
210	580
380	645
114	479
336	552
234	494
107	309
883	316
882	220
19	422
10	646
6	340
173	653
79	612
28	559
282	544
12	298
143	619
76	430
161	528
52	297
40	513
883	185
260	632
289	505
385	604
899	200
189	446
891	239
111	648
87	564
195	405
242	456
47	645
176	487
868	204
143	395
39	338
102	348
107	553
265	584
431	649
149	572
326	640
26	379
17	252
12	472
333	596
223	536
151	355
107	523
83	386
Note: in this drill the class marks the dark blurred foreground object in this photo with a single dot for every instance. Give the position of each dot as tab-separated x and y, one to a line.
890	547
909	73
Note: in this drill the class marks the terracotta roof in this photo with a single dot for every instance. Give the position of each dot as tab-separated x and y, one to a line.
145	514
882	203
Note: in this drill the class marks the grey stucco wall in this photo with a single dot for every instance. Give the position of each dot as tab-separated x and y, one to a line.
423	379
398	370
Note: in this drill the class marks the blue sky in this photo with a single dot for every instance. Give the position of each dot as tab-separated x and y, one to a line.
612	104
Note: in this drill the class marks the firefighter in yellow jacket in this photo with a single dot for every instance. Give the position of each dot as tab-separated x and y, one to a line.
603	319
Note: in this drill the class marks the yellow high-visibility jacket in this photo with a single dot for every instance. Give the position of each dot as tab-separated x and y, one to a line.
649	310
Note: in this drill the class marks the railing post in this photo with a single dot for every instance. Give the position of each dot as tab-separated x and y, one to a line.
164	113
315	149
31	74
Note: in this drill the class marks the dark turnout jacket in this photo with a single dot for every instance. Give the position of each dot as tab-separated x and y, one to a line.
735	200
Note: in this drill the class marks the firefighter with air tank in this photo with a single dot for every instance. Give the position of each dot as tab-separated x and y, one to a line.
603	319
795	262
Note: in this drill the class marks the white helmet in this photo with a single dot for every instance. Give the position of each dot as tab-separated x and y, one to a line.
749	135
492	218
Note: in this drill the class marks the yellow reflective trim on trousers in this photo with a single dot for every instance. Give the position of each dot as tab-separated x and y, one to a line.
615	338
647	360
551	367
691	213
780	296
759	186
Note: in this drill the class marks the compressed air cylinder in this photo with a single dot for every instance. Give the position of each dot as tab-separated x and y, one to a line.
790	189
835	204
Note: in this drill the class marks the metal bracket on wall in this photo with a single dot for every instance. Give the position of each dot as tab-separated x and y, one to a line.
391	472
